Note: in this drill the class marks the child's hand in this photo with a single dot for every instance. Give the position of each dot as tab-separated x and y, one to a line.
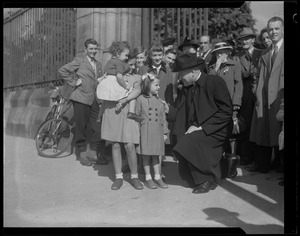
101	78
167	108
128	87
165	137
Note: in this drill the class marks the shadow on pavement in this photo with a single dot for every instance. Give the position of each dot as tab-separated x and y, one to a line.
229	218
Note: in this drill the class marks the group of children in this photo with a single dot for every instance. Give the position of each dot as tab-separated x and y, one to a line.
150	108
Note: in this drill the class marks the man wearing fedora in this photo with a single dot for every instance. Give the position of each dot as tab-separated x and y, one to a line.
188	46
249	61
203	123
265	128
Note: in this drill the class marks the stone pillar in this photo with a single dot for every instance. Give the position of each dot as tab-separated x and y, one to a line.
106	25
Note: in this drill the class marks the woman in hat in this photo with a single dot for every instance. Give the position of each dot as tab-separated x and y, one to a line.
203	123
230	71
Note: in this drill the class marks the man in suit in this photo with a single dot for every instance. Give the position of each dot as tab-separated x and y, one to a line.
265	127
249	60
205	49
203	123
82	74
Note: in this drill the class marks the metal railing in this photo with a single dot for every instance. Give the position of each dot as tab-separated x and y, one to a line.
178	23
37	41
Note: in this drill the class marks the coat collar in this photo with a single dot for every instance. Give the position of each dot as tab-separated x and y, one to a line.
151	69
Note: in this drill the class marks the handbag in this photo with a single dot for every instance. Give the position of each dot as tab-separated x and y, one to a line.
229	162
239	125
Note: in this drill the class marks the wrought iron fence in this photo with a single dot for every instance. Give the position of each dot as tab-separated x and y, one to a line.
178	23
37	41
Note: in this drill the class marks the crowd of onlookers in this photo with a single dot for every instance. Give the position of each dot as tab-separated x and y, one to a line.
187	98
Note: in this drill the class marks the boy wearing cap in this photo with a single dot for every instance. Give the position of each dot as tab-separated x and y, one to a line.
203	123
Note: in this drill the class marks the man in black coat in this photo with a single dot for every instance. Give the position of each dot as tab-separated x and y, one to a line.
203	123
249	60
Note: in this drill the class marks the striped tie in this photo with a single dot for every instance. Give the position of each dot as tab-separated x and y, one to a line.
275	52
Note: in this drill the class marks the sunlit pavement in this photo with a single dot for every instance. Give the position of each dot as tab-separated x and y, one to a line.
59	192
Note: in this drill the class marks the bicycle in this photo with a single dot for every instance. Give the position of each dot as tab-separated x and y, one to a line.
54	135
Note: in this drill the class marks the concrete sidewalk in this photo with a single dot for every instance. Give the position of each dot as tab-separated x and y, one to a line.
59	192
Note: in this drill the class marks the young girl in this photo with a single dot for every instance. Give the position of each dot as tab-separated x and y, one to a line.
153	129
156	66
113	86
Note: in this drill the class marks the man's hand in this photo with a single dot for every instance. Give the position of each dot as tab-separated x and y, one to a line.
78	82
192	129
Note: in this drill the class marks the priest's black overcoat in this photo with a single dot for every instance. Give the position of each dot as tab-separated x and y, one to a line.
213	108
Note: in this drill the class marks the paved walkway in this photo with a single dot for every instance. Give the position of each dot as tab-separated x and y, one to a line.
59	192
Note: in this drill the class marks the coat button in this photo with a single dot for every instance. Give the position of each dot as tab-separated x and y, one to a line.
155	109
149	119
150	114
156	120
156	114
150	108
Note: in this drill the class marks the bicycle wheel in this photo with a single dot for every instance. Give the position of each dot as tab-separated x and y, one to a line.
53	137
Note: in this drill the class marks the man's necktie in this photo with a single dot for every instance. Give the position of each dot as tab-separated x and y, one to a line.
275	52
94	66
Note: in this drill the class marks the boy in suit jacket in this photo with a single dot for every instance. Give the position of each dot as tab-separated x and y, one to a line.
86	71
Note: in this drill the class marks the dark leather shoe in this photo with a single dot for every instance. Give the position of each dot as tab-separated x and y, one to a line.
136	183
281	183
233	174
245	163
205	187
117	184
85	162
150	184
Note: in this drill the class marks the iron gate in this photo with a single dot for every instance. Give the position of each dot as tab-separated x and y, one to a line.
37	41
174	22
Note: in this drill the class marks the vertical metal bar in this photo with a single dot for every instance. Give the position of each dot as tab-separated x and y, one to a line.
51	43
62	35
25	47
151	25
200	21
190	23
172	24
146	26
184	22
159	24
205	21
178	27
30	45
195	24
166	23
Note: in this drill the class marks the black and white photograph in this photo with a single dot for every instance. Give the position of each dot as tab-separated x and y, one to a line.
146	118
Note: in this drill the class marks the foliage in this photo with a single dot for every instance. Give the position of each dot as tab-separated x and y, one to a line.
223	23
227	22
